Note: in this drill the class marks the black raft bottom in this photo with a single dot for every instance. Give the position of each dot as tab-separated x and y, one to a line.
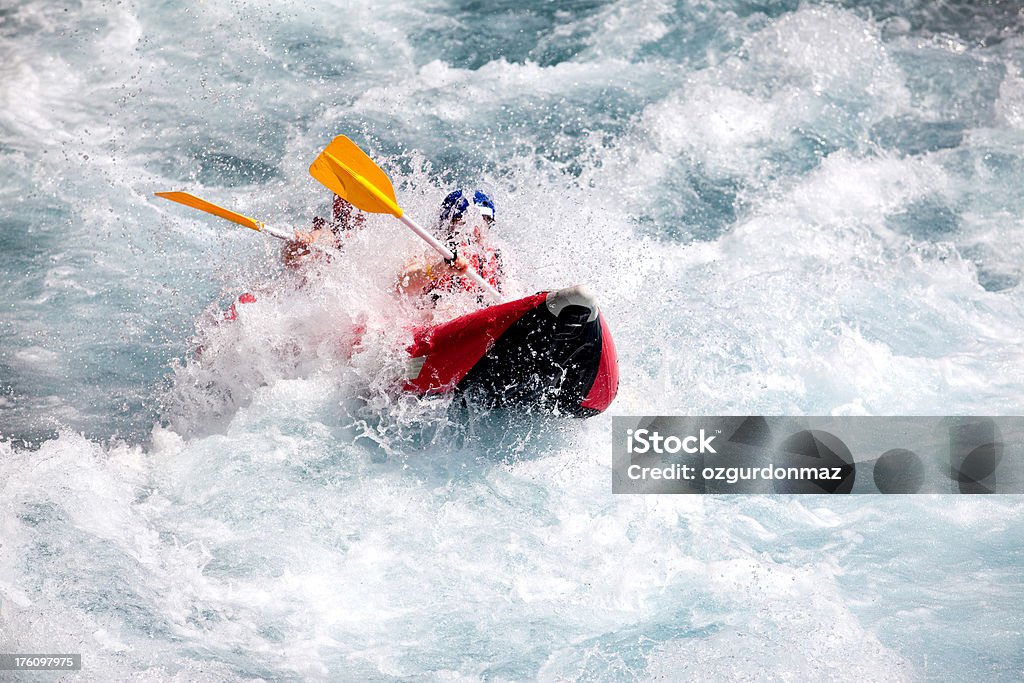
542	363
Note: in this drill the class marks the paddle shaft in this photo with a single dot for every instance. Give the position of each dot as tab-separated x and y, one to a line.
279	234
194	202
448	255
288	237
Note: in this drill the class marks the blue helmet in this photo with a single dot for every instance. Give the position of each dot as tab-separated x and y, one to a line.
484	203
456	204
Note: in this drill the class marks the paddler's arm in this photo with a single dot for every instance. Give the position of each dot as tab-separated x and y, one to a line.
416	279
296	251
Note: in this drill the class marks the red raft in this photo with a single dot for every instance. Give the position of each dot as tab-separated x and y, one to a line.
550	352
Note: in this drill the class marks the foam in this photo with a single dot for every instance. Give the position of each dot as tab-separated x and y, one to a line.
1010	106
622	29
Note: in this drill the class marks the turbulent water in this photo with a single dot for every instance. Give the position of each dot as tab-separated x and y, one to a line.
784	207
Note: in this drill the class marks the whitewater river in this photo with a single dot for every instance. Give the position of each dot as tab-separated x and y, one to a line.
791	208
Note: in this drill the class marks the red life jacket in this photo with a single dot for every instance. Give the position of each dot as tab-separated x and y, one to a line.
483	260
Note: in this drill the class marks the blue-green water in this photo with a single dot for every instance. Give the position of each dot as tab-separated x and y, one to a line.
784	208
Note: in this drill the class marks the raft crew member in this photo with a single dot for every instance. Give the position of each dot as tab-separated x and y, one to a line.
345	218
465	229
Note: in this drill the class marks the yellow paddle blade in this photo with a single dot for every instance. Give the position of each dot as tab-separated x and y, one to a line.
203	205
348	172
